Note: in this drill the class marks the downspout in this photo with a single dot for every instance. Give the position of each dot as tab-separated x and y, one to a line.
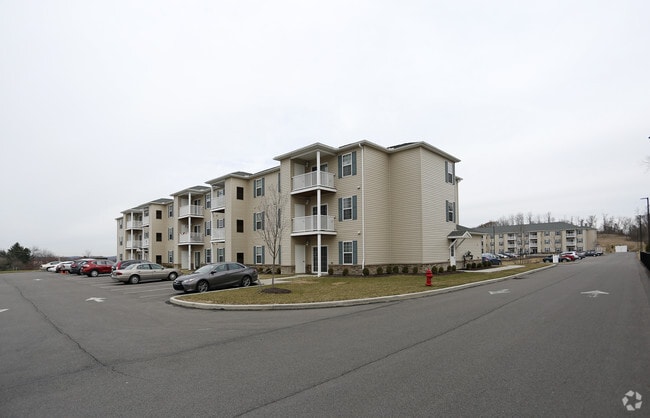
318	217
363	211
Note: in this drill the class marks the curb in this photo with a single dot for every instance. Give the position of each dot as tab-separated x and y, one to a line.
176	300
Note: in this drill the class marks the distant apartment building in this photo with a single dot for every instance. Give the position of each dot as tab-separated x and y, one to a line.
350	207
541	238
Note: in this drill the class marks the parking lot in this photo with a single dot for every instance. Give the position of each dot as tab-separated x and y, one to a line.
149	291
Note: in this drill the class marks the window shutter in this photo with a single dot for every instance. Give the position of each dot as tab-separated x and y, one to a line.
354	252
263	254
354	207
446	210
340	210
453	174
454	209
446	171
263	219
340	252
263	178
254	222
354	163
340	159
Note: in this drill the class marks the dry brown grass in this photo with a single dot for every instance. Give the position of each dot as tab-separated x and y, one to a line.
306	290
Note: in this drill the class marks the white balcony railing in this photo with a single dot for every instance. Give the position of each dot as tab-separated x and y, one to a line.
218	234
312	179
310	224
130	244
190	238
133	224
145	221
145	243
191	210
219	202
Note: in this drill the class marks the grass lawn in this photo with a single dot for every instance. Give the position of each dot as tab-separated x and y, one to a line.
326	288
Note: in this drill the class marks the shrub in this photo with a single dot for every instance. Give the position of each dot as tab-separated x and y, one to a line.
346	271
415	270
405	270
366	272
441	270
278	271
330	271
472	266
395	269
380	271
449	268
453	268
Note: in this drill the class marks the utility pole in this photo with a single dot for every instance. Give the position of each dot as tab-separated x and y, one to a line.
647	202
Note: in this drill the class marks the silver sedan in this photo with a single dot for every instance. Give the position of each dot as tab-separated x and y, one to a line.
142	272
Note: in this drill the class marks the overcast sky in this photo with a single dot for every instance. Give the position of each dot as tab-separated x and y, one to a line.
105	105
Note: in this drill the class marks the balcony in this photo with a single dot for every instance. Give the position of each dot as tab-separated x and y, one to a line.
134	225
133	244
312	181
218	204
145	221
308	225
218	235
190	238
190	210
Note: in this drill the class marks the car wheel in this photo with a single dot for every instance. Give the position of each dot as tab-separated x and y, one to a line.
245	281
202	286
94	273
134	279
172	276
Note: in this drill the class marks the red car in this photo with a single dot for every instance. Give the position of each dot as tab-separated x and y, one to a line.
93	268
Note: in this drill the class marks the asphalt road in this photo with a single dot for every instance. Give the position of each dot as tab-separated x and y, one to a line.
572	340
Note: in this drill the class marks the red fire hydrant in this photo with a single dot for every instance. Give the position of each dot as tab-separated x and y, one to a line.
429	276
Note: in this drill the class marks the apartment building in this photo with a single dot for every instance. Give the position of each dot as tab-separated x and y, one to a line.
541	238
349	207
140	232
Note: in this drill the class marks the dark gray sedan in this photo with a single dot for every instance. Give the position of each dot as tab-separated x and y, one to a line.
212	276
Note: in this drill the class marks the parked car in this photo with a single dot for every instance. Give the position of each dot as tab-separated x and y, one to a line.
62	266
571	254
212	276
49	264
561	258
493	259
93	268
142	272
121	265
75	267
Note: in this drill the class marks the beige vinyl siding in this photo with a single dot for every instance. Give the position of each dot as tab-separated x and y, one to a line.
435	192
374	203
406	207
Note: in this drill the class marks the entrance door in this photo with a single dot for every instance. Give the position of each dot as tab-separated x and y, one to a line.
323	260
299	254
197	259
452	254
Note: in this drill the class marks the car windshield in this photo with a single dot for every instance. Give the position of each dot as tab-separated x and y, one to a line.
205	269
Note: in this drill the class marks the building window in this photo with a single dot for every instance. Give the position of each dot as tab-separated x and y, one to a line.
170	211
170	233
451	211
348	208
208	255
158	236
159	214
208	228
221	223
449	172
170	257
208	200
240	193
347	252
259	188
258	221
158	259
240	225
258	254
221	255
120	224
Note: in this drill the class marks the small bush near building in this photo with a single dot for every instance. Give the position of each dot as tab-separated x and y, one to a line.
448	269
346	271
441	270
380	271
405	270
415	270
395	269
330	271
366	272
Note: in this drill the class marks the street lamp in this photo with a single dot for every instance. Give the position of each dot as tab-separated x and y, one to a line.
647	202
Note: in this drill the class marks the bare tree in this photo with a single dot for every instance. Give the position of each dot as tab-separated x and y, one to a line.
273	225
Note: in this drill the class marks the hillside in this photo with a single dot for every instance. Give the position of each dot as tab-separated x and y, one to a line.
609	241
